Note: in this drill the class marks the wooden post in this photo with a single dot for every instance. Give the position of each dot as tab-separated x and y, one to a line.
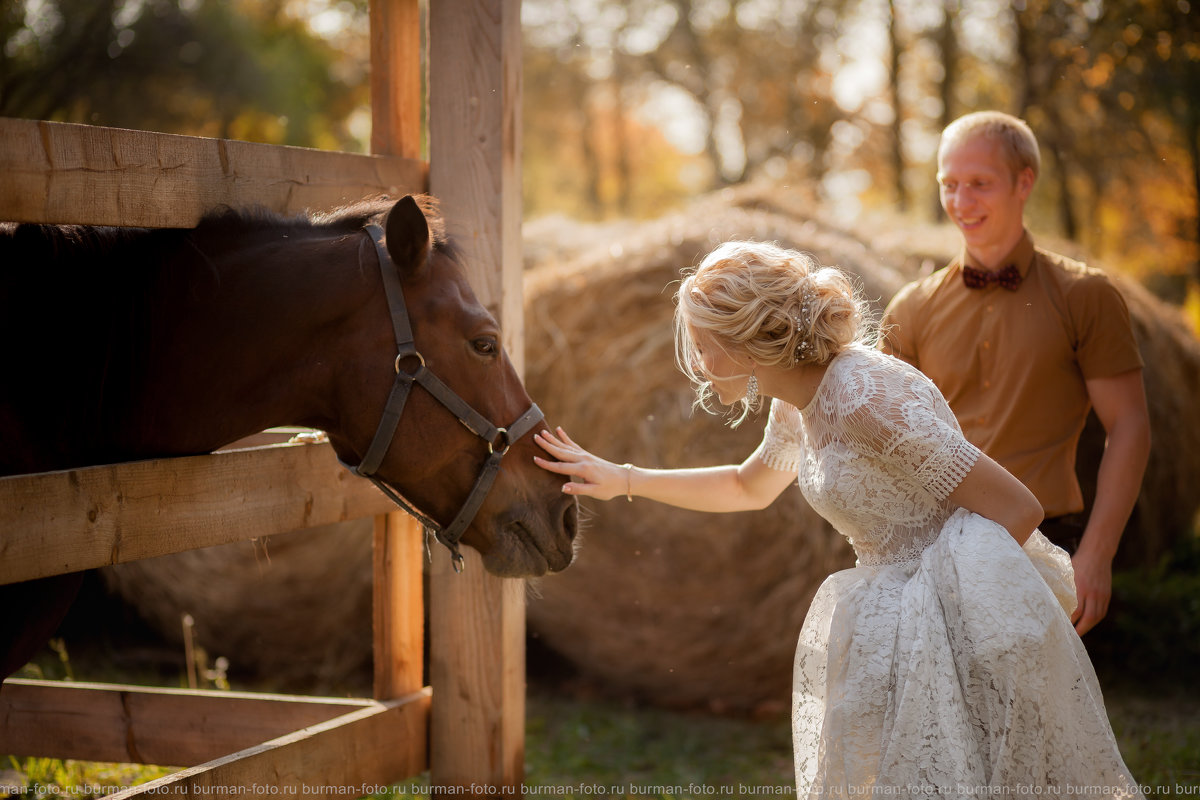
399	606
396	78
398	594
477	621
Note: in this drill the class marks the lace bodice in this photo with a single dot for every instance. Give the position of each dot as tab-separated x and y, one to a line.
877	452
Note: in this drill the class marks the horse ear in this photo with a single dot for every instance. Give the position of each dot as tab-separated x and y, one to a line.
407	235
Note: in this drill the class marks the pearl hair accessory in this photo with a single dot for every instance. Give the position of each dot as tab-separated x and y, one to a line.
804	322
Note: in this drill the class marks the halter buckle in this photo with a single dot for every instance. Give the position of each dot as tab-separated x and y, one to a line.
410	354
501	435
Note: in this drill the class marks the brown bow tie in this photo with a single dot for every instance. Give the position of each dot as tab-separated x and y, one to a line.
1009	277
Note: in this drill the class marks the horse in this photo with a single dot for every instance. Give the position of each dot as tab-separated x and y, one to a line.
131	343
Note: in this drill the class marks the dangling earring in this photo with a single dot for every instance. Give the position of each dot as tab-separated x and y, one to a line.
752	391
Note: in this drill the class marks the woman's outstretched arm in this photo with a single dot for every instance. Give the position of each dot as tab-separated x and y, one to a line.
733	487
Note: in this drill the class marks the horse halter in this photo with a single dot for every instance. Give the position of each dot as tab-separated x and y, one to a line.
498	439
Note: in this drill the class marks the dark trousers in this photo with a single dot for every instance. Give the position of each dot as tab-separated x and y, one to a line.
1065	531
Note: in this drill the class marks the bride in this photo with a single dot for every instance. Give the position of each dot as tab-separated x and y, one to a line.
945	661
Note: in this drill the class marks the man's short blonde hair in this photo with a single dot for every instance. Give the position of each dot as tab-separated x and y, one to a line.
1014	135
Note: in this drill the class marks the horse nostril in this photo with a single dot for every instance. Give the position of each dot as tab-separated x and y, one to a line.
571	519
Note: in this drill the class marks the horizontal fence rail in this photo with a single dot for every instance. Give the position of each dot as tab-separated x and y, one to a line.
148	725
57	522
57	172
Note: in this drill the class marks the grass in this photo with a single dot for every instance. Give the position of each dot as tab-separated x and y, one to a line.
39	778
1160	740
587	748
584	745
572	741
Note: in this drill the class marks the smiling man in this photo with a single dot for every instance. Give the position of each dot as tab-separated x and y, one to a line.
1023	342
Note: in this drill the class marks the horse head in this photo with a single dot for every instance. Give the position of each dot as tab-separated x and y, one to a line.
456	411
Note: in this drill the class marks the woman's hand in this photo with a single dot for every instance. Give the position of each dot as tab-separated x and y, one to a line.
590	476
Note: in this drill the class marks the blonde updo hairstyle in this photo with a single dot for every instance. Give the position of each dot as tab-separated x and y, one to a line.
776	306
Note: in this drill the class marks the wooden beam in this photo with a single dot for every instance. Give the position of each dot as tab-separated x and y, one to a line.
141	725
58	522
399	605
475	146
65	173
477	670
396	78
399	595
349	756
477	650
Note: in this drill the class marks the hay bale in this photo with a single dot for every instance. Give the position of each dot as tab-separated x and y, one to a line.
680	608
1168	503
684	608
293	609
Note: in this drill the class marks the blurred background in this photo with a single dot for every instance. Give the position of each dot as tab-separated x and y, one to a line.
634	106
652	130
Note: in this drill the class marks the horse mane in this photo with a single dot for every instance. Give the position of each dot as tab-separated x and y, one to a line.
219	228
226	225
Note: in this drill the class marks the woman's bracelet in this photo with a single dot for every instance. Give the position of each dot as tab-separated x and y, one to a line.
628	481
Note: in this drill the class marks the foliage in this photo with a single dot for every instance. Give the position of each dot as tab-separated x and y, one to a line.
227	68
632	106
79	780
820	90
1110	89
1152	633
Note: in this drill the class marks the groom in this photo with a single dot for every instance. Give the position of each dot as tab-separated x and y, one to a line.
1023	342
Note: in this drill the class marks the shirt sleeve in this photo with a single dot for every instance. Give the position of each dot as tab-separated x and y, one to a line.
1105	344
895	332
906	422
782	446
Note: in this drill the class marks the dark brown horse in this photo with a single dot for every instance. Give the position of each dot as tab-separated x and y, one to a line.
123	344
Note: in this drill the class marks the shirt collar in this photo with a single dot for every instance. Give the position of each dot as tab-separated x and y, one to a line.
1021	255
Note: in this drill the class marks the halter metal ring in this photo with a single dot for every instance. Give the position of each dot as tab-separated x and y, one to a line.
413	354
501	435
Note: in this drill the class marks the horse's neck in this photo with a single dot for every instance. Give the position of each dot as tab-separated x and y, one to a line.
253	345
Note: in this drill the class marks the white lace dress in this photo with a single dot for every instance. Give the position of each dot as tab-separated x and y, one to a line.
945	662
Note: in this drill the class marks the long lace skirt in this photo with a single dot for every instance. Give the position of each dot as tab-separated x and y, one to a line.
957	675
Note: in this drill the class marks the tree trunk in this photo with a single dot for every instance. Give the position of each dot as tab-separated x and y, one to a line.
624	170
897	111
947	42
1192	133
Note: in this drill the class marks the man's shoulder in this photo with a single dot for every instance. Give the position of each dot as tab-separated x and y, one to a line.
1081	286
921	290
1069	271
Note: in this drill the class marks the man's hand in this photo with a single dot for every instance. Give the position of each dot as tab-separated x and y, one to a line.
1093	589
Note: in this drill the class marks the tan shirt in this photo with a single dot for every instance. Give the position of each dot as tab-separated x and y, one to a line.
1013	365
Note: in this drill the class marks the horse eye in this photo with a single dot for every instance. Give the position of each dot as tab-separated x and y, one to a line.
486	346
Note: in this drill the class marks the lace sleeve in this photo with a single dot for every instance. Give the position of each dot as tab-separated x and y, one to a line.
895	413
781	445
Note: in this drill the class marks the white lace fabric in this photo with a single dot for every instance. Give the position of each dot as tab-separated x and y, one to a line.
945	662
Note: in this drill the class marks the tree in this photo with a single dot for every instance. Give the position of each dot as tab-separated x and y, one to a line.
230	68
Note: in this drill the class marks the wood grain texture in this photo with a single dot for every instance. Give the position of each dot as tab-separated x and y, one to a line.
396	78
141	725
358	753
477	621
79	174
57	522
398	605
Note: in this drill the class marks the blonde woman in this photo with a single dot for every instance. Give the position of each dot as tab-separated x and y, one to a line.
943	662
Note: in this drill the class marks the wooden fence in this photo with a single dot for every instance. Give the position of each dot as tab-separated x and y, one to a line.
233	743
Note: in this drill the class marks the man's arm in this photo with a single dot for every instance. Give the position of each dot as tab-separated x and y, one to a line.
1120	404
